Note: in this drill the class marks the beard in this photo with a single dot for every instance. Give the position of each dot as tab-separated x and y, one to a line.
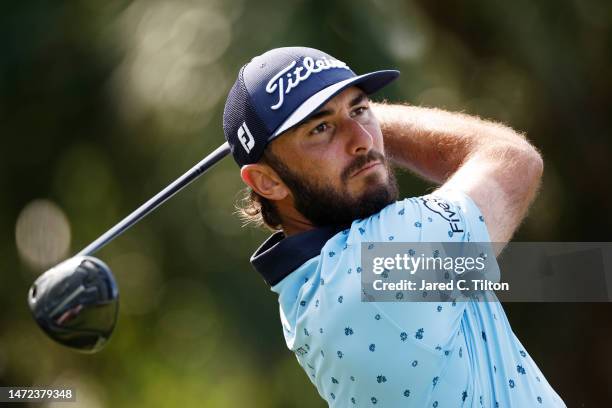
324	205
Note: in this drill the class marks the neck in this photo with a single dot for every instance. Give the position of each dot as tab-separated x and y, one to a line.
292	221
292	227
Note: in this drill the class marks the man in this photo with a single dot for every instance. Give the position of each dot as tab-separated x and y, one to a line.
316	154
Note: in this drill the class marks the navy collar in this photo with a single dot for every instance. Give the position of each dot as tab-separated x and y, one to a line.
279	255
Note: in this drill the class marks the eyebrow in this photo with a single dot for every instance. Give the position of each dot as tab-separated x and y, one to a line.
322	113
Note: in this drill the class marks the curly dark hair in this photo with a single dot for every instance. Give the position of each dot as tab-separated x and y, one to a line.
256	210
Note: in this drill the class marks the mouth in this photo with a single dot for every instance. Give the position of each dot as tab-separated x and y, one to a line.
368	167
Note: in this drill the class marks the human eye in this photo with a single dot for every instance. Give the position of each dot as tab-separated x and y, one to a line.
320	128
359	110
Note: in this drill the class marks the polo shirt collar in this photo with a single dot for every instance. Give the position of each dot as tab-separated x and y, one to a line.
279	255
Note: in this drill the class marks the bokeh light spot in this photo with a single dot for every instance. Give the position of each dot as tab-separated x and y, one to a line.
42	234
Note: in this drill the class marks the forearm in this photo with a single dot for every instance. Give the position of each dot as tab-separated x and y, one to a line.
434	143
494	165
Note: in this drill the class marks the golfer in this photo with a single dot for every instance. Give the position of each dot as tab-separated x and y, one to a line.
316	155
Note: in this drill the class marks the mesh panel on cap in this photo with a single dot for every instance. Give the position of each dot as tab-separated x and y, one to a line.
238	111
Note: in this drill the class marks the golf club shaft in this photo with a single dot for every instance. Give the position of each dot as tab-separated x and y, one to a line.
176	186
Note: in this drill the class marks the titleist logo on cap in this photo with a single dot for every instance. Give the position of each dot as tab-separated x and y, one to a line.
301	73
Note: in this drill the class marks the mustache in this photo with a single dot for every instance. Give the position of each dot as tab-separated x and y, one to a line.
359	162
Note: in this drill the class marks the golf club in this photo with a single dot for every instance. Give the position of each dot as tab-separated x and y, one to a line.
76	302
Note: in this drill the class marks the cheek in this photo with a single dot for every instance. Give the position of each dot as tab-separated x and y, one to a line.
322	158
325	168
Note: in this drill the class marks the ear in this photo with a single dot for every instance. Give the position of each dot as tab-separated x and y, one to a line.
264	180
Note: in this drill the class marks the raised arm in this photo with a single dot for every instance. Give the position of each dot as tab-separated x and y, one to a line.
496	166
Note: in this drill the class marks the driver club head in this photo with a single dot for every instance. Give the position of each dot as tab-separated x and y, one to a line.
76	303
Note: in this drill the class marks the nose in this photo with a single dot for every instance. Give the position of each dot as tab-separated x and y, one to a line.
358	139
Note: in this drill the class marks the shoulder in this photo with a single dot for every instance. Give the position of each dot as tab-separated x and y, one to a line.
439	216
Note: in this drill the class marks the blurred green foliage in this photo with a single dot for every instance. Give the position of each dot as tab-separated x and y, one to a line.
102	103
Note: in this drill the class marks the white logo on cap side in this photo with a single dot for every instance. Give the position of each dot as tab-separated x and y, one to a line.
299	74
245	137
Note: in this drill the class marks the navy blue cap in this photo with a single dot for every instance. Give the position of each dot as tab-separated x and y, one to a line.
280	89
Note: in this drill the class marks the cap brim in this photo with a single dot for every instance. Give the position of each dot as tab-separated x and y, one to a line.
370	83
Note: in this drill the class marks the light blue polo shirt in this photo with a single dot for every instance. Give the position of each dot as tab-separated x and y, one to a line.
410	354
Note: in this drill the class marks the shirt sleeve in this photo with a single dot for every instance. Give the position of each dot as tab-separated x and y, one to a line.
461	212
443	216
